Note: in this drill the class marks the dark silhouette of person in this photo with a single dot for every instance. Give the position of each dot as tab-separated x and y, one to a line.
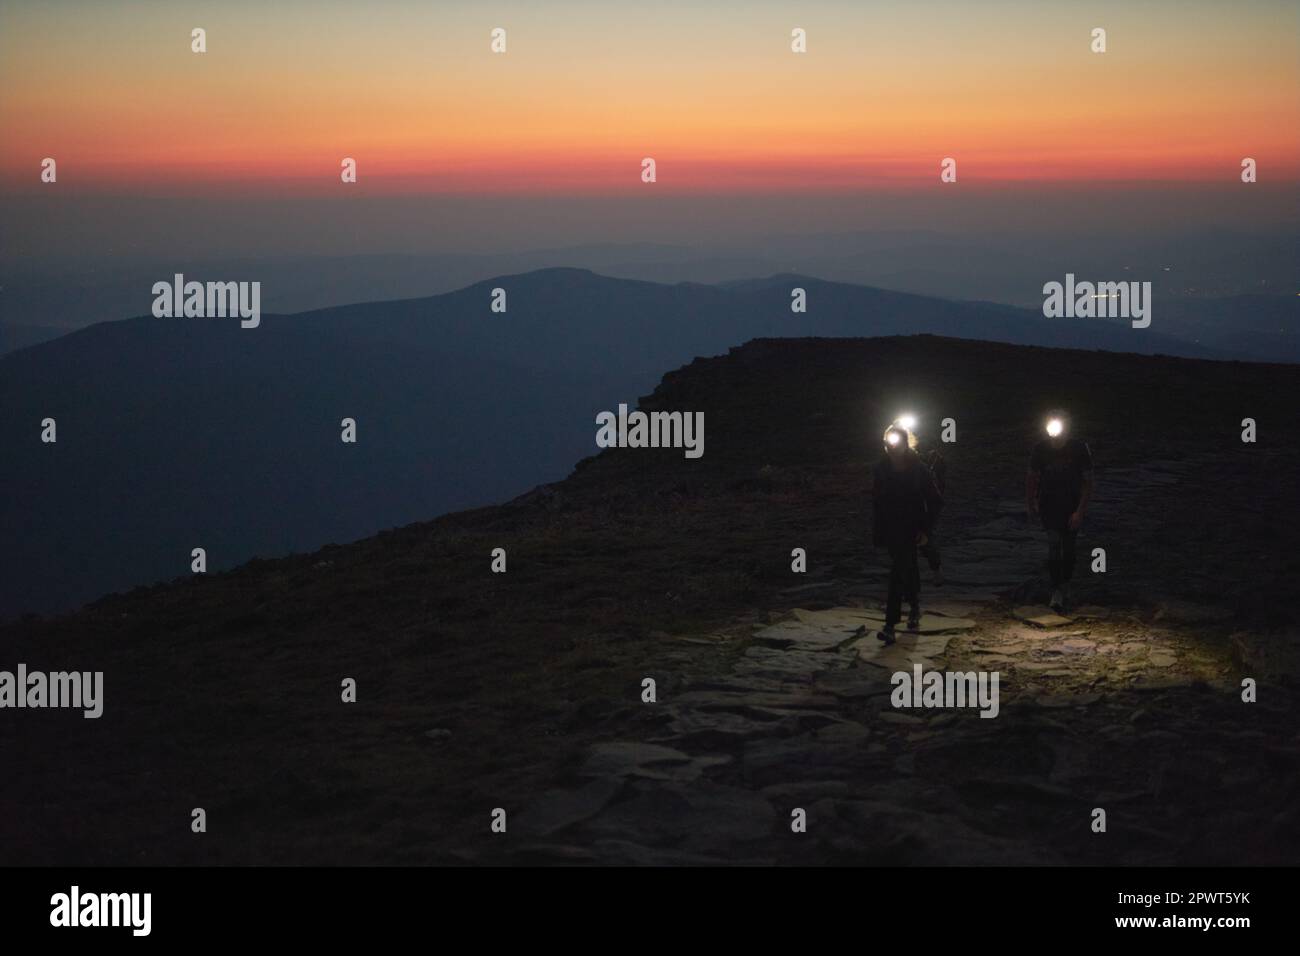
904	504
1057	489
930	550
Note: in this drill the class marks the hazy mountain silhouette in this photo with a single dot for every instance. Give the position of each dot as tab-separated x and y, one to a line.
182	433
14	337
1211	272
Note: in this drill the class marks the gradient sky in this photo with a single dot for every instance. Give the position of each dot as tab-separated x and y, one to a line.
711	90
237	150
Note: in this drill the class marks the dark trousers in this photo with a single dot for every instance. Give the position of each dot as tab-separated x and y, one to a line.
1060	554
930	551
904	581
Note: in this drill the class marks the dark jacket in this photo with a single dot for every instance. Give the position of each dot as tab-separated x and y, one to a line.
903	502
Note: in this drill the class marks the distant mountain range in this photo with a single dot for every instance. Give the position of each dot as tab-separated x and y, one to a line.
1233	277
182	433
14	337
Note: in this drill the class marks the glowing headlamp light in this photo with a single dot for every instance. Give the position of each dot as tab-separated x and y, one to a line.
907	421
1054	427
893	438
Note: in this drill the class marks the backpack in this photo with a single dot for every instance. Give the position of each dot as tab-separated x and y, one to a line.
938	467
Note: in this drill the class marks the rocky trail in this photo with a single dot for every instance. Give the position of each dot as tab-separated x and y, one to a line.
1108	707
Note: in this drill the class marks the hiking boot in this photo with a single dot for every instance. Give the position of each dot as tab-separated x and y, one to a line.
886	634
1065	599
1058	601
914	619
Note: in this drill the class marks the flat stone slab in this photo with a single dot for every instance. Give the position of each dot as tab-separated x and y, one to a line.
701	816
813	756
996	661
895	832
802	634
906	651
629	758
843	620
852	619
951	608
727	730
708	640
793	660
788	667
1001	649
555	810
856	683
1041	616
743	703
1075	645
721	729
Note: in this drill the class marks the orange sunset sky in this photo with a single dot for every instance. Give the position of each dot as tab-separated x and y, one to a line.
585	90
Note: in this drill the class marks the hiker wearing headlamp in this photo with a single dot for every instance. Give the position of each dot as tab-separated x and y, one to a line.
904	503
1057	490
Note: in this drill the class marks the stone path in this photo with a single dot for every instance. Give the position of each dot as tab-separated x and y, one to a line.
1100	708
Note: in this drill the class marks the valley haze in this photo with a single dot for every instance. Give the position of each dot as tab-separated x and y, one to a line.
231	434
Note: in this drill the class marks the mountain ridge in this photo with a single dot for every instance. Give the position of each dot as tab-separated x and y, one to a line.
479	690
232	435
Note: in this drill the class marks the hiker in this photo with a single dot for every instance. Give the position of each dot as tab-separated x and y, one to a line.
1057	489
904	502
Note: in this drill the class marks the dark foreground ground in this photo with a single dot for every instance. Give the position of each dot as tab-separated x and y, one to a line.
523	691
